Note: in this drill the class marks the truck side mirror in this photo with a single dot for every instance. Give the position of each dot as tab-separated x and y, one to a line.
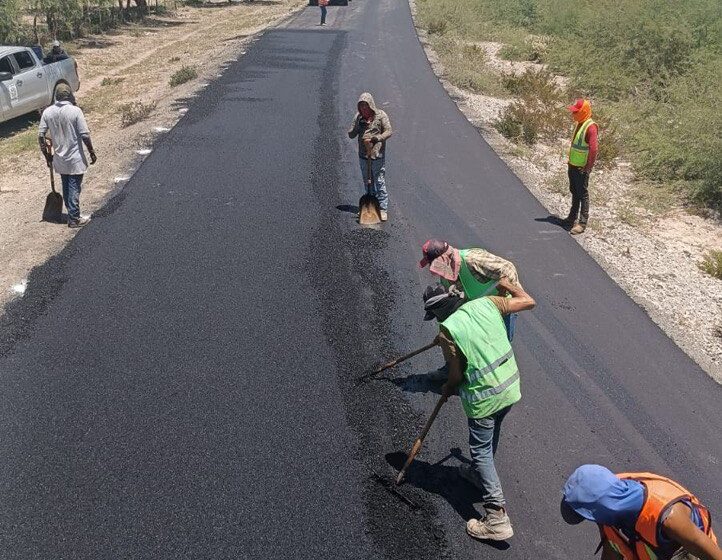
5	76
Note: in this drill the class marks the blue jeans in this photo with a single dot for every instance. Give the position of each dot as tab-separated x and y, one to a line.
323	15
378	187
510	324
71	195
483	441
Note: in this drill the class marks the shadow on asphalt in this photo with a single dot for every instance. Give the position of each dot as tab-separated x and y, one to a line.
416	383
554	220
443	480
350	208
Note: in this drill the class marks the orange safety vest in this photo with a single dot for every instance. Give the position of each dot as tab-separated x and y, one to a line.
660	494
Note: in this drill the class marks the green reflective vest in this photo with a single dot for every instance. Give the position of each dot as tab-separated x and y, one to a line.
473	288
491	378
579	152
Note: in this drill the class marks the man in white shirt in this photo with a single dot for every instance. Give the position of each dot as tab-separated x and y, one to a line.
68	132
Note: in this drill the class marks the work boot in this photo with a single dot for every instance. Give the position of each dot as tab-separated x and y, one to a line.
578	228
439	375
80	222
384	215
496	526
468	473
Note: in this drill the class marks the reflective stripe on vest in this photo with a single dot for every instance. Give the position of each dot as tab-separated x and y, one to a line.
660	493
491	378
473	288
579	151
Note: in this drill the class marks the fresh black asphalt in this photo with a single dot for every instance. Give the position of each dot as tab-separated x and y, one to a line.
180	381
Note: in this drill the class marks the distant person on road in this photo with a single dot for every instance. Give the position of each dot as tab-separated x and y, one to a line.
56	54
582	155
482	368
68	132
641	516
471	273
322	4
372	127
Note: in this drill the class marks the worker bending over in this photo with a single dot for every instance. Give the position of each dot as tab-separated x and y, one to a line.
641	516
483	370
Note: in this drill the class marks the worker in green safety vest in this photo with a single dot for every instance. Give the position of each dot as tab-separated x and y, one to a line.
484	372
582	155
473	273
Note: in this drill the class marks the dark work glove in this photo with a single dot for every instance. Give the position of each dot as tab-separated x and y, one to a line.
375	140
93	158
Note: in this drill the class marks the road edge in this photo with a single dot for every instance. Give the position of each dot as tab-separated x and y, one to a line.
494	140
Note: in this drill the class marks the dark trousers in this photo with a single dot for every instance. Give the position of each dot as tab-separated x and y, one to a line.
323	15
579	187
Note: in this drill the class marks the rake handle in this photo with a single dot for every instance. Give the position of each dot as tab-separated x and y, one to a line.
420	440
397	361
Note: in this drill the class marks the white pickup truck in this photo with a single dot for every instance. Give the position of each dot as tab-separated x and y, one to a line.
28	84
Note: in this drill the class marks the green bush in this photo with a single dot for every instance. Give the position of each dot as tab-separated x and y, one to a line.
182	76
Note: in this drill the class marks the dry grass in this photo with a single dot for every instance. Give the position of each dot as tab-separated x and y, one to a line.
135	112
185	74
712	264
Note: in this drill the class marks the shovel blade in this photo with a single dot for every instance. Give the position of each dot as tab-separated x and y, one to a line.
53	210
369	212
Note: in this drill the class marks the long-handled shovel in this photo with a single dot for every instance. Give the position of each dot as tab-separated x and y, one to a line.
53	210
420	440
369	210
396	362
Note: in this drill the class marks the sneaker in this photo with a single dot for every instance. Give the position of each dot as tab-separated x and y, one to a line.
468	473
578	228
439	375
496	526
79	222
384	215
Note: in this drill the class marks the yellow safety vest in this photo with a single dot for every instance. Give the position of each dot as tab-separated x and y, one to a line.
579	152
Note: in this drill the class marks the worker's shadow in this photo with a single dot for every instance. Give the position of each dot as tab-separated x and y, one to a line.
554	220
416	383
445	481
350	208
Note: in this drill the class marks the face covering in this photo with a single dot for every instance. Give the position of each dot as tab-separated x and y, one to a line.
584	113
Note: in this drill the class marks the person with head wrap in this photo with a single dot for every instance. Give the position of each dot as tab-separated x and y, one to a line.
582	155
68	132
472	273
483	370
372	127
56	54
641	516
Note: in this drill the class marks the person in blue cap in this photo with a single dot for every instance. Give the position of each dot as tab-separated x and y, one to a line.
641	516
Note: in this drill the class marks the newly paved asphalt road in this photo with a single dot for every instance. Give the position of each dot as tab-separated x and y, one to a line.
179	382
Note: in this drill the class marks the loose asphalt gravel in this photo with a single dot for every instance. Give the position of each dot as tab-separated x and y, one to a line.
180	381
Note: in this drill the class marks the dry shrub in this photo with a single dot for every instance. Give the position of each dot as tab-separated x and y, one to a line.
134	112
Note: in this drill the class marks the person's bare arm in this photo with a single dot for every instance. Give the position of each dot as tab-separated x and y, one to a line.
520	300
681	529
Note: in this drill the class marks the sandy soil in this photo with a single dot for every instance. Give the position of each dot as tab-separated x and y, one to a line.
647	244
133	63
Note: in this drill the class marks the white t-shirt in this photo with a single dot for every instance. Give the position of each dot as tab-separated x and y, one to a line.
67	126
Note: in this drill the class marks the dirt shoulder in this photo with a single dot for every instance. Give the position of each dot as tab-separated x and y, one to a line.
645	240
132	64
